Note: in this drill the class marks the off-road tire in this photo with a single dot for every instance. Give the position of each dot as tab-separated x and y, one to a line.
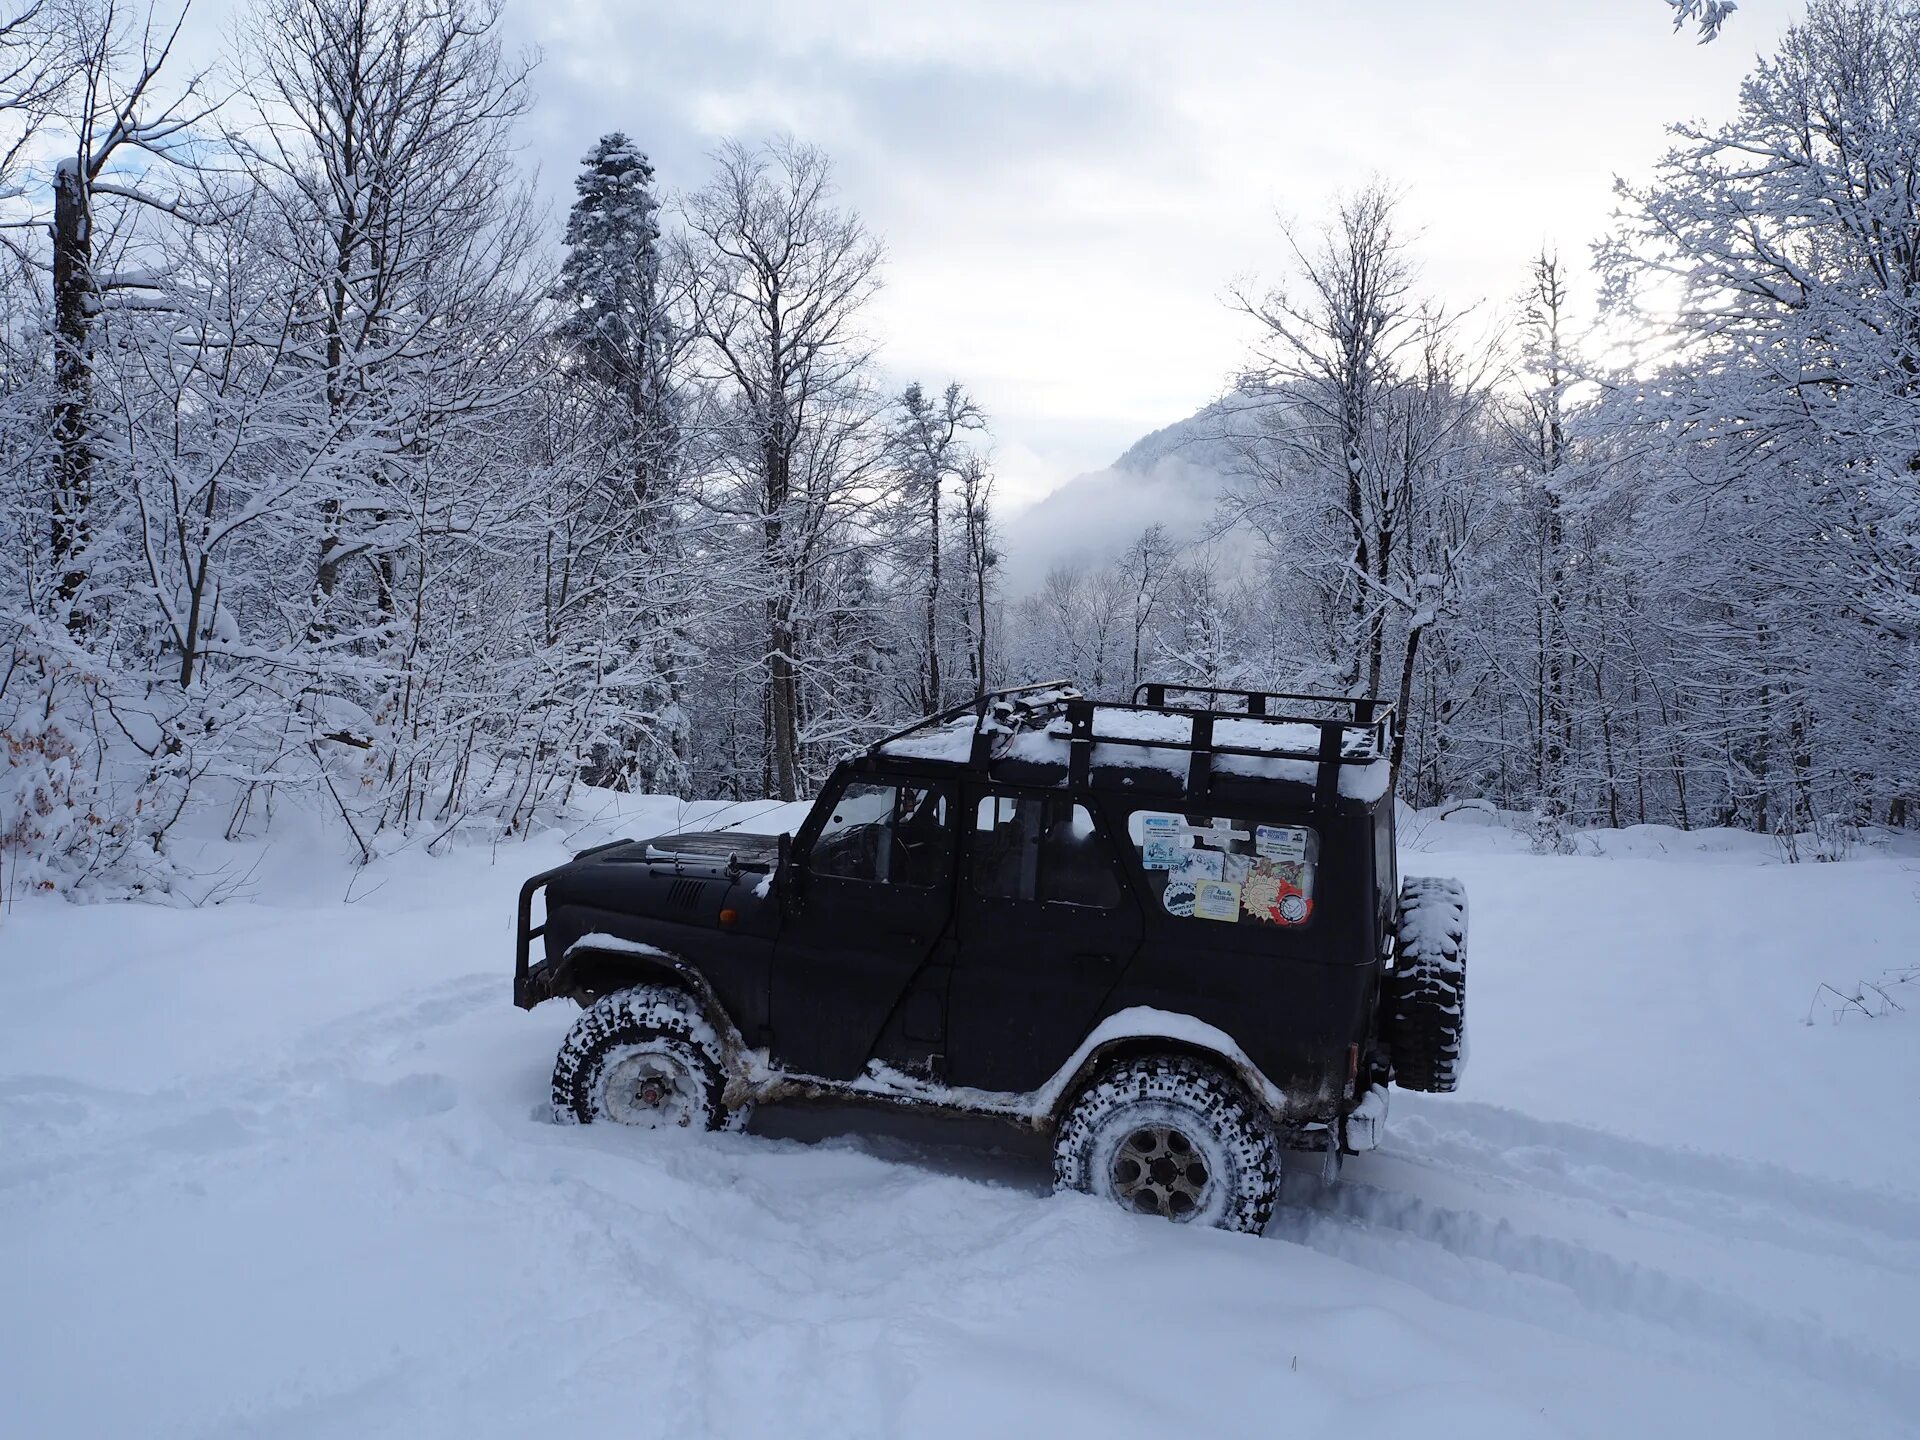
1426	994
652	1021
1230	1133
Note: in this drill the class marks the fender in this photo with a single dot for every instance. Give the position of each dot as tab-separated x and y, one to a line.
1124	1030
638	961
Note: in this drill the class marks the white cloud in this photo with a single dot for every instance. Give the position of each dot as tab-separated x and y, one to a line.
1066	189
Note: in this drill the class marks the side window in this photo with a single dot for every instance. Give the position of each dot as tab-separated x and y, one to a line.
1042	848
892	834
1241	871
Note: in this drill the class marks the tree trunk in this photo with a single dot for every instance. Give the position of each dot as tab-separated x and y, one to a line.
933	689
1405	696
73	314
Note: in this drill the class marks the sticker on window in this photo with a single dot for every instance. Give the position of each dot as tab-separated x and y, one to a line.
1274	893
1216	900
1228	869
1280	842
1201	865
1160	847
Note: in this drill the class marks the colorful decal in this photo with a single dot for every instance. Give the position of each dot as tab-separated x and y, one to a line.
1274	892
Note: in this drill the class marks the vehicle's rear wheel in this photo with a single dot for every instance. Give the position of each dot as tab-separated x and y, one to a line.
1171	1136
646	1057
1426	995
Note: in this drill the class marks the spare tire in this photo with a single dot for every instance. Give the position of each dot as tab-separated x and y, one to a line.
1426	995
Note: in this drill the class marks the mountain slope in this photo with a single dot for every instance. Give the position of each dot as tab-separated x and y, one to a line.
1174	477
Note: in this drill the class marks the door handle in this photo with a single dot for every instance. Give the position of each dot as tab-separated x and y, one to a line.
905	937
1099	957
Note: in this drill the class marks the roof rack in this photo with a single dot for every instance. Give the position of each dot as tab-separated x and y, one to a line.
1008	697
1346	729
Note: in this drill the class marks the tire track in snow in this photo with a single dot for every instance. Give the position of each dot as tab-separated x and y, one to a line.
1395	1233
60	1127
1485	1134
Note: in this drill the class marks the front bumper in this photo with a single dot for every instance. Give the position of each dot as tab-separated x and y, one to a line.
534	983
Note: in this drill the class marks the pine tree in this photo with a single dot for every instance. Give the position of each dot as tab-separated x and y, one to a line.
621	348
614	320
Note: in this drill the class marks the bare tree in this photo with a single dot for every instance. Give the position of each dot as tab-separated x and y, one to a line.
1148	569
927	450
386	129
981	549
778	276
117	109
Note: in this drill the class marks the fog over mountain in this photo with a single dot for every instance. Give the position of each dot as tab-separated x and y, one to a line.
1174	476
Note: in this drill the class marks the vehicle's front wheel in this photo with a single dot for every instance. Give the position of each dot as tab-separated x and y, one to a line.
1172	1136
647	1057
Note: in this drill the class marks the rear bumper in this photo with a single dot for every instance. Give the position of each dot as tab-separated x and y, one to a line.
1361	1128
1366	1123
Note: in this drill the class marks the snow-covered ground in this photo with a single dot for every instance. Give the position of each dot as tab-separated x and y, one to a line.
281	1167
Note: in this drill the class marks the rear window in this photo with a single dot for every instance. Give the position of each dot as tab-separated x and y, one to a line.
1228	869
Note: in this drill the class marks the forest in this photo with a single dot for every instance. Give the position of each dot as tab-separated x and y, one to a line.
339	473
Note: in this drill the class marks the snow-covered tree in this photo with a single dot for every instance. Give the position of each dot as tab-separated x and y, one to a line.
624	352
1707	15
1790	402
928	453
778	274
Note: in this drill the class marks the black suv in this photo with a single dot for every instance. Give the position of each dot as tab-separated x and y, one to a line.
1168	933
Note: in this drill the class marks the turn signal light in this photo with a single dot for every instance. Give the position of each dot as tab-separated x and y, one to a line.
727	917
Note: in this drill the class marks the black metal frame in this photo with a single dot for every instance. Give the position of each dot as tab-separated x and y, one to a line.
526	932
1359	732
978	706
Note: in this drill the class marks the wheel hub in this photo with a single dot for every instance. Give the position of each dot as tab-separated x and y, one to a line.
651	1089
1157	1171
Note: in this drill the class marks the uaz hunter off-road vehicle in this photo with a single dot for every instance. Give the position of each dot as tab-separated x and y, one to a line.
1169	934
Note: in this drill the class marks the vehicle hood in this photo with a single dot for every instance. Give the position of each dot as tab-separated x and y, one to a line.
679	881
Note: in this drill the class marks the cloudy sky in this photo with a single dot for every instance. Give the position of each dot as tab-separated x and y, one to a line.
1066	189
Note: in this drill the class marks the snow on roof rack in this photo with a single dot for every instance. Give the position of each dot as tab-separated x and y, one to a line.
1291	730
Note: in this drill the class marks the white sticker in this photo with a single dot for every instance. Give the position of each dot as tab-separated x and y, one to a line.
1280	842
1236	869
1216	900
1216	832
1160	841
1201	865
1178	897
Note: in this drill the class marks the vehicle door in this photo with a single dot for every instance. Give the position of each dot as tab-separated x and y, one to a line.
873	905
1045	924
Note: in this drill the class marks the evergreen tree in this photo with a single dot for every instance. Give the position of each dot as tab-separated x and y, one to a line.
621	347
614	320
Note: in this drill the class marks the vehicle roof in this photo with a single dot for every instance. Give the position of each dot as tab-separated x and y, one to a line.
1183	744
